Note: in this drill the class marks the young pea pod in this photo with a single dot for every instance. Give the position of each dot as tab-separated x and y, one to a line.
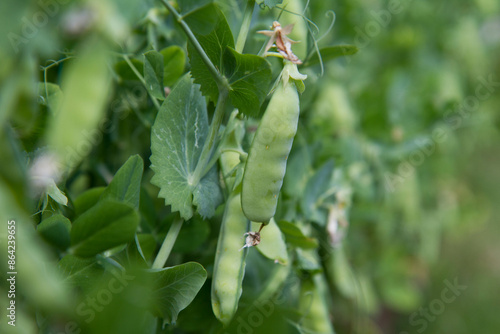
313	306
266	163
229	266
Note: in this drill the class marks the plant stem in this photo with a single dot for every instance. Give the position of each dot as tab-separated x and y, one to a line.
212	135
141	79
168	244
245	26
219	79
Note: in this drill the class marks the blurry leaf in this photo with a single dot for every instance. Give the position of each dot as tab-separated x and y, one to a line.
308	260
55	230
193	234
173	64
86	87
177	138
56	194
295	237
332	52
87	200
174	289
153	74
400	294
272	245
126	184
51	95
106	225
143	247
78	272
317	185
125	72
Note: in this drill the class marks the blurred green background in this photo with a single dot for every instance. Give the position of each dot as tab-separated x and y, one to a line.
412	121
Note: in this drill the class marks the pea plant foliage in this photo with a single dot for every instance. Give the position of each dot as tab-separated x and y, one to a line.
230	206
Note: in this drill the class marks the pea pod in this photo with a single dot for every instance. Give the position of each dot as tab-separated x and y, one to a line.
313	306
266	163
229	266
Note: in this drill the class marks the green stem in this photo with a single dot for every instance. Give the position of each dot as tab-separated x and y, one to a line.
168	244
212	135
141	79
219	79
245	26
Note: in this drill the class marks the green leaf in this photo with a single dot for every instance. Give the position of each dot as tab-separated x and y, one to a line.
122	68
177	138
249	77
317	185
272	245
174	61
87	200
193	234
55	230
79	272
126	184
332	52
214	43
56	194
175	288
106	225
143	247
153	74
295	237
201	16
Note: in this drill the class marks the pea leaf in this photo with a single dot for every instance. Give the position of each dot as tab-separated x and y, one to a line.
122	68
214	43
249	76
56	194
175	288
295	237
317	185
332	52
106	225
55	230
174	61
126	184
177	138
87	200
80	272
153	74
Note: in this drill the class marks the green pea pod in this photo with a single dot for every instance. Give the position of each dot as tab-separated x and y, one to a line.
266	163
229	266
272	244
314	308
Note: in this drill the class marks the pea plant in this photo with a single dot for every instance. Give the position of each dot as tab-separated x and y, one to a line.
230	227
